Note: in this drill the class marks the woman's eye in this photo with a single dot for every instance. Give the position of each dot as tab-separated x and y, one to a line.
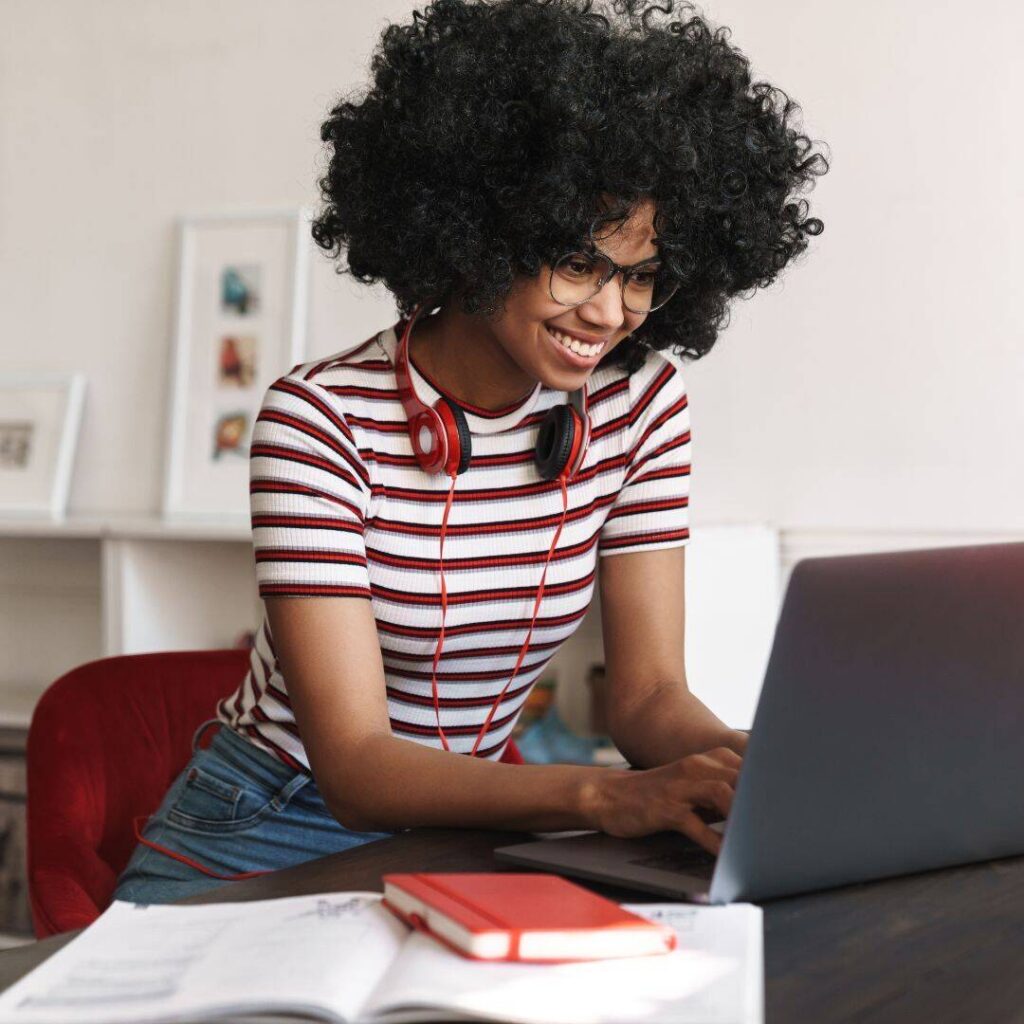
580	267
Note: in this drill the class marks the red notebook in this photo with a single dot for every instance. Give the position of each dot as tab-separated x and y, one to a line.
528	917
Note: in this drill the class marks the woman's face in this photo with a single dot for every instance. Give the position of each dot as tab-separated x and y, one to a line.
525	329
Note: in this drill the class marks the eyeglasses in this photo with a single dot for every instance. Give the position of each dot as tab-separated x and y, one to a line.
578	276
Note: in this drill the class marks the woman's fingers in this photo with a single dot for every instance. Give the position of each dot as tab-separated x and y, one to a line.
708	768
739	741
725	756
714	793
685	795
700	833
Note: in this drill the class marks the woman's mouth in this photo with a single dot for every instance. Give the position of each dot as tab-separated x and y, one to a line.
575	352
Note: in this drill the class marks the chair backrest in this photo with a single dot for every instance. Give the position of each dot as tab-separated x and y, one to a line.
105	742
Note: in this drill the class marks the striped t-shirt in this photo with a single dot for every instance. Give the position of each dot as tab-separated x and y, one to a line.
340	508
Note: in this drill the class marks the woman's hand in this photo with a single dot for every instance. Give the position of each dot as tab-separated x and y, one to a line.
736	740
670	798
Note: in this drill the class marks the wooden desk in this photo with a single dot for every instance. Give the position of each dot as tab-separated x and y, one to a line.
944	947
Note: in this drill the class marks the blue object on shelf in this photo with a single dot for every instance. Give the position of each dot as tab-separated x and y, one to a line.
550	741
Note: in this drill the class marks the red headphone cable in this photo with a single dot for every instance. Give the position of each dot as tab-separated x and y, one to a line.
529	633
444	609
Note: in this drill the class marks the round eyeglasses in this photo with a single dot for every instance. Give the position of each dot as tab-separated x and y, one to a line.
578	276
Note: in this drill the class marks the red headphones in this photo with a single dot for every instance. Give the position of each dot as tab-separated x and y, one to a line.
441	442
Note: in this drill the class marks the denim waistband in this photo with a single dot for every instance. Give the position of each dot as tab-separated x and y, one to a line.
246	756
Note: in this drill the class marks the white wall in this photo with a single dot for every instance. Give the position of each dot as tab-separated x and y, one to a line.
878	387
881	384
117	116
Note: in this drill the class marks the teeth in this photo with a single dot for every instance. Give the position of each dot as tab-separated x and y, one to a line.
575	345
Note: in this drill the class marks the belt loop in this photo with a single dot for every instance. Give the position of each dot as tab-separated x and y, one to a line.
282	798
201	730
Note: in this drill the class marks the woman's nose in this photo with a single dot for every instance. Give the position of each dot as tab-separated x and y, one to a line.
606	308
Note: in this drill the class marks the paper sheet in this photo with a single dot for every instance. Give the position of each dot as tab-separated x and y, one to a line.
346	954
714	977
148	962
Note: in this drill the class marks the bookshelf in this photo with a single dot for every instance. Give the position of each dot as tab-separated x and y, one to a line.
86	588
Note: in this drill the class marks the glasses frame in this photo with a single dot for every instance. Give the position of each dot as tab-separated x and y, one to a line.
612	268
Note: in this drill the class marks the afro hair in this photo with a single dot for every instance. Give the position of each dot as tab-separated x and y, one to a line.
498	134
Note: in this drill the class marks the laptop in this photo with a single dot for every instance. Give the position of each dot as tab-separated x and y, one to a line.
888	737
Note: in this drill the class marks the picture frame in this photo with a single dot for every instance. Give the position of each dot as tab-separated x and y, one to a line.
240	323
40	418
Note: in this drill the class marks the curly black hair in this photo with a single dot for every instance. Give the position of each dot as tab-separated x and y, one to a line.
498	134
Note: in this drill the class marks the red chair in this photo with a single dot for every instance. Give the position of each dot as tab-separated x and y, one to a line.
105	743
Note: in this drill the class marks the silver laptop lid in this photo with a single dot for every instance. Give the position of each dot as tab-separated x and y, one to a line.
889	737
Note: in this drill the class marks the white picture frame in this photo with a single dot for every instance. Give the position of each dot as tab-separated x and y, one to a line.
40	417
240	323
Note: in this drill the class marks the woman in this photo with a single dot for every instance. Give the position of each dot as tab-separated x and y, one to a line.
575	198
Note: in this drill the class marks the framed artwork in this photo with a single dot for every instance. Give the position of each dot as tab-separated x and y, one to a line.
40	414
240	324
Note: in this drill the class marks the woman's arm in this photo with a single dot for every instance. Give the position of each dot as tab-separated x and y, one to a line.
668	723
653	718
371	780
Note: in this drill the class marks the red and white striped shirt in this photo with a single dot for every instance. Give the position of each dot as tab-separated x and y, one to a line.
340	508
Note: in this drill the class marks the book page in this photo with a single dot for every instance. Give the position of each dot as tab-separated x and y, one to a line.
714	977
320	955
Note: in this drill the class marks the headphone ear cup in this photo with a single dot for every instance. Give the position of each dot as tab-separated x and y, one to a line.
555	441
460	441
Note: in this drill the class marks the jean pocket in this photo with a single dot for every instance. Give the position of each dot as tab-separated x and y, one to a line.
217	798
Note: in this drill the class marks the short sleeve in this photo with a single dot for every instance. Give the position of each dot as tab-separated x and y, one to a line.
651	509
309	491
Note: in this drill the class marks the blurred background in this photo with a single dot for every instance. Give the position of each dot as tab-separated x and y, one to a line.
870	400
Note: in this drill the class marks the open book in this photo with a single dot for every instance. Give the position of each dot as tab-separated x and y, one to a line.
343	957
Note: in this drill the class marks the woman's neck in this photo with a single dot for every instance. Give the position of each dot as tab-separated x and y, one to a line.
459	353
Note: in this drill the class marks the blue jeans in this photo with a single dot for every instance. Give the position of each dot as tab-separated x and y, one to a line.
234	808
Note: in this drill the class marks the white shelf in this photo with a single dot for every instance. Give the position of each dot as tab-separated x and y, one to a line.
127	527
16	704
70	528
88	587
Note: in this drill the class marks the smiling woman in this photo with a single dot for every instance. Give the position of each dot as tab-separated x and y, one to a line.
574	194
499	136
563	320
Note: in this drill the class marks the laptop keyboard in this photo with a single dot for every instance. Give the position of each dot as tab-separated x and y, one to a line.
684	861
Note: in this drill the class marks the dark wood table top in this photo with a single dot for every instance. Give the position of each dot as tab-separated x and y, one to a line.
943	947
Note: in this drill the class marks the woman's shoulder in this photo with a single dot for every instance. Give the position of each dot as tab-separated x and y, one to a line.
659	379
368	358
333	393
